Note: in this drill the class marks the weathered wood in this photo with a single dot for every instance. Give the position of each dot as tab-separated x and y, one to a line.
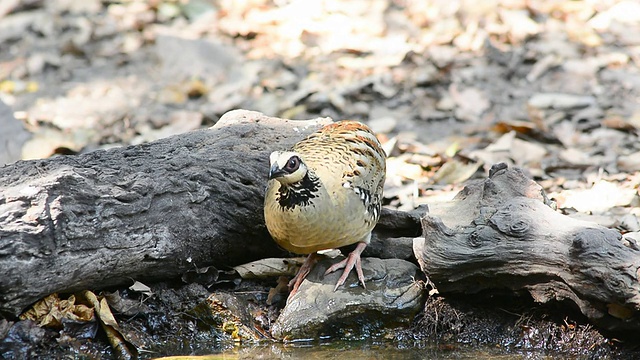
500	234
150	211
146	212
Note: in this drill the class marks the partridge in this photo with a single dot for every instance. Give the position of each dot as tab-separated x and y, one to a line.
326	193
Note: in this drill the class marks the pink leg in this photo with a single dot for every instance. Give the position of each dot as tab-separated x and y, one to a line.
352	260
308	263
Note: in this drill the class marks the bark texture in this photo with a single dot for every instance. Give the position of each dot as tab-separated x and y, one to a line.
149	211
501	234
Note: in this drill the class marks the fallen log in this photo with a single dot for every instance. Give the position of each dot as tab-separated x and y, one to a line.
501	234
143	212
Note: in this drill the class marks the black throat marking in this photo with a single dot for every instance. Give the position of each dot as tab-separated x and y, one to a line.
298	194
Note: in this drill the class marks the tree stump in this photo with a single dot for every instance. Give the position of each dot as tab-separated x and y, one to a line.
501	234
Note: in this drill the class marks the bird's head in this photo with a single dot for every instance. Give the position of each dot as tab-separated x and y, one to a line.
287	167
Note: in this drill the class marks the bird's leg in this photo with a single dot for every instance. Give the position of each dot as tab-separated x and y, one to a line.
353	259
308	263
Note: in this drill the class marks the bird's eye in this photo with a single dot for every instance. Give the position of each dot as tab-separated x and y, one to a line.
292	165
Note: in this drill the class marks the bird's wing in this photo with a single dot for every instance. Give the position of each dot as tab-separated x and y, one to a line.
349	155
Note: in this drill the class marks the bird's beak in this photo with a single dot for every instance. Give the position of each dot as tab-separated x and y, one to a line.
275	171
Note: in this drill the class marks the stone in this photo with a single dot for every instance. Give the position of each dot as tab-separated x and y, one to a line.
392	297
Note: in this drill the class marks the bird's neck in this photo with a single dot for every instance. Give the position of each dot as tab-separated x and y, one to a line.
301	193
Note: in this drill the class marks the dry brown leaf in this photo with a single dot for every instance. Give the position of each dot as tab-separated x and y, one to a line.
280	292
521	127
425	161
50	311
455	172
123	347
620	123
398	169
270	267
48	141
620	311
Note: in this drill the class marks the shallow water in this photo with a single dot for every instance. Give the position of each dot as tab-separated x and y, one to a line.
370	350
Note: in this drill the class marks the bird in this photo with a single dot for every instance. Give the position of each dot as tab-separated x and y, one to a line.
325	193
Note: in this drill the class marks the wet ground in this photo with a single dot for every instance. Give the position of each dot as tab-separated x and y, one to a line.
174	320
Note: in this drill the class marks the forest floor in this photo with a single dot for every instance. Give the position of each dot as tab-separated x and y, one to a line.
451	87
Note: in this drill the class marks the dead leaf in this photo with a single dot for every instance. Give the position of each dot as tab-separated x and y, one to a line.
270	267
125	306
618	123
455	172
209	276
206	276
47	141
399	169
280	292
141	288
601	197
623	12
620	311
519	23
122	347
521	127
511	150
525	153
51	311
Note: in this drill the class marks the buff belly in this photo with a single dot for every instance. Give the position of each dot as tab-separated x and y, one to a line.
319	226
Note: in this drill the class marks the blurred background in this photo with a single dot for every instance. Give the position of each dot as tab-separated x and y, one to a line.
450	86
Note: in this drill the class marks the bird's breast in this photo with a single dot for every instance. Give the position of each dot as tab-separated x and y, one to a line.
325	220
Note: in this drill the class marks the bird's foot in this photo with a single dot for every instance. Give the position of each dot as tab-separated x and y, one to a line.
353	259
304	270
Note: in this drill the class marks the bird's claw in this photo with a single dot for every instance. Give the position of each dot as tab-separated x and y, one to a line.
304	270
352	260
